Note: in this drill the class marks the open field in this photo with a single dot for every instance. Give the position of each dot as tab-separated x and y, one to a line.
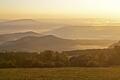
60	74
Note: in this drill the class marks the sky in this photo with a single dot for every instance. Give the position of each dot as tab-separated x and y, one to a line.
59	9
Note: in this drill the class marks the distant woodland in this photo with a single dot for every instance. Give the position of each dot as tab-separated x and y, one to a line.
77	58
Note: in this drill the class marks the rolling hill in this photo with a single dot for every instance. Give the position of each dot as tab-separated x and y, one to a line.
24	25
50	42
116	44
87	32
14	36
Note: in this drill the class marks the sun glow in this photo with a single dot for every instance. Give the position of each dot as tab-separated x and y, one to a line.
59	8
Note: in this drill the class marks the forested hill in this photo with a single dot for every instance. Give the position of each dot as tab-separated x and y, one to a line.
82	58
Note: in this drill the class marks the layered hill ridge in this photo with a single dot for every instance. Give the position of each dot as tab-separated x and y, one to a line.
116	44
20	25
33	43
14	36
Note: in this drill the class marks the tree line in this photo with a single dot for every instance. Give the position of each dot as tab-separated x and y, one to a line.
78	58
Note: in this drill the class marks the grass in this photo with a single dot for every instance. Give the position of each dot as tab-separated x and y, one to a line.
60	74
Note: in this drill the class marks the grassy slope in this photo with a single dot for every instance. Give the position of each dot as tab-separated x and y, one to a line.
60	74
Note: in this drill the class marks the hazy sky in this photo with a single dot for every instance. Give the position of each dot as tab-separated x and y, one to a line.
59	8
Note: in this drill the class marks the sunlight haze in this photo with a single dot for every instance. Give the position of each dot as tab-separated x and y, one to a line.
59	8
72	19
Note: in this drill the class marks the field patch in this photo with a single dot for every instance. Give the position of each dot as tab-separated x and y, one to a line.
60	74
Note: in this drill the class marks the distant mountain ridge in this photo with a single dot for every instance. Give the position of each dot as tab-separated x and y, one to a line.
14	36
65	30
21	25
116	44
50	42
20	20
87	32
